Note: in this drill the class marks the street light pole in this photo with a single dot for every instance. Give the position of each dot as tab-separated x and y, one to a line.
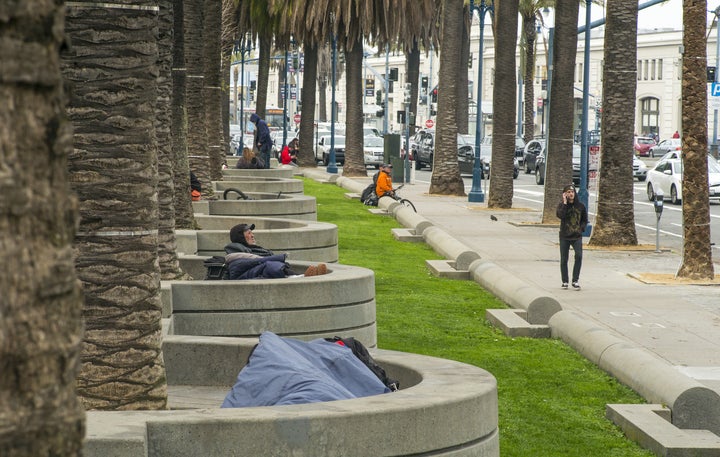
583	195
476	193
244	48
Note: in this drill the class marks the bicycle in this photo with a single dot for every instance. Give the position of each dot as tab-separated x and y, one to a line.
242	195
402	201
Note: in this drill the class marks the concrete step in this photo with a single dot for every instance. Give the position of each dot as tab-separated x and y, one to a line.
650	426
407	235
513	323
446	269
378	211
352	195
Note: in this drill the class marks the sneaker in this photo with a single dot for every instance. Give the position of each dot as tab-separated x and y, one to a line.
322	269
564	285
311	271
576	285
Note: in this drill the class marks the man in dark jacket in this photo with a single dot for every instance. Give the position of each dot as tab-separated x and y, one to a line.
573	220
247	260
262	138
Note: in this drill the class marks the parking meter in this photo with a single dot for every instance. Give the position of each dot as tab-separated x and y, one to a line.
658	203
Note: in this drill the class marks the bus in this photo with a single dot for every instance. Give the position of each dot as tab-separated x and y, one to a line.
273	119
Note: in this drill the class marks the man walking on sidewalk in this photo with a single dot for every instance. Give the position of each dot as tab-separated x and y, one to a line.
573	220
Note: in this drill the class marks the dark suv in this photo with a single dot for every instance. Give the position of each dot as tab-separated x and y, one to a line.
422	147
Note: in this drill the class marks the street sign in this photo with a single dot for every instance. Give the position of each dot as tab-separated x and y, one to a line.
429	123
715	90
296	118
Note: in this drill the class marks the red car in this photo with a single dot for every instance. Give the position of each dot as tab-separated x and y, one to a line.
643	145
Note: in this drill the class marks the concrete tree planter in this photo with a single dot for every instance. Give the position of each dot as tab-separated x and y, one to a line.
294	206
258	184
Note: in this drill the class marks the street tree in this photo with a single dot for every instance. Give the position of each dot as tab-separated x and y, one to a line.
504	107
615	220
212	91
697	251
41	307
112	71
446	178
558	171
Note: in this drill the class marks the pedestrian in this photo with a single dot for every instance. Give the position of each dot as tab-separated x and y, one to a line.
383	184
195	188
262	138
573	220
249	160
676	134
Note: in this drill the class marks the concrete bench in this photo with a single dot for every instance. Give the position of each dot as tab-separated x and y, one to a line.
259	173
513	323
444	408
258	184
341	302
292	206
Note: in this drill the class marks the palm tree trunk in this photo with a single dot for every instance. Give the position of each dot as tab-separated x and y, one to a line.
184	218
265	47
307	119
697	251
462	86
446	174
558	171
354	158
41	308
195	95
212	90
615	220
229	26
114	173
504	106
530	34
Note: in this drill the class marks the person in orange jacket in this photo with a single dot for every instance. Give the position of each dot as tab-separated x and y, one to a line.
384	181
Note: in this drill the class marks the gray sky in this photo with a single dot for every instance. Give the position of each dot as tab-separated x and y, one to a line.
663	15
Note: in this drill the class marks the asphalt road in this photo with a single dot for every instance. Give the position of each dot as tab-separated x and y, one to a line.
530	195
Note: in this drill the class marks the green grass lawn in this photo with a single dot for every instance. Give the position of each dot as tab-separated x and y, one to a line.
551	399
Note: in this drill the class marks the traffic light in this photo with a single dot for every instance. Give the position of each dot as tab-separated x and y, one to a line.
407	92
378	98
424	82
253	85
394	74
433	109
380	113
434	94
711	74
401	117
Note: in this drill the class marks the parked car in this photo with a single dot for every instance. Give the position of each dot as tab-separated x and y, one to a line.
666	178
486	148
665	146
369	130
532	150
422	147
540	166
374	148
639	169
643	145
322	149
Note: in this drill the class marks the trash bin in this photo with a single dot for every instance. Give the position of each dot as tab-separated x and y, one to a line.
398	172
391	155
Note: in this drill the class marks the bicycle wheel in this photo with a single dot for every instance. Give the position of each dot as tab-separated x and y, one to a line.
408	203
237	191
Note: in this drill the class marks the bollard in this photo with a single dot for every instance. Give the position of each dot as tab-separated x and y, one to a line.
658	203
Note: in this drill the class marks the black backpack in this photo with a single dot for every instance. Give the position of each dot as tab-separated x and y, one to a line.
216	268
362	353
368	195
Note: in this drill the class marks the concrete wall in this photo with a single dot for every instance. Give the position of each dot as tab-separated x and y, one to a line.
291	206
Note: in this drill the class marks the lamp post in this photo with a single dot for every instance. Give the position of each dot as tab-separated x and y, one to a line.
583	195
332	166
244	48
476	193
285	100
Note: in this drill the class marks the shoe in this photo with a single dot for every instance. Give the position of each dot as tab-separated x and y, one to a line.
311	271
576	285
322	269
564	285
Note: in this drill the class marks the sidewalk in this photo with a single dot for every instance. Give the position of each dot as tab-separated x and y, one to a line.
657	335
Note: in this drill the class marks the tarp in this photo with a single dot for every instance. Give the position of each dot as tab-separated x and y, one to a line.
285	371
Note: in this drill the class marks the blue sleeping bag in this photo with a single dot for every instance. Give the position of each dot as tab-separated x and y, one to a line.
285	371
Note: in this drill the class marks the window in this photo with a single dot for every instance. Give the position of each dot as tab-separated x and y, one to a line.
649	115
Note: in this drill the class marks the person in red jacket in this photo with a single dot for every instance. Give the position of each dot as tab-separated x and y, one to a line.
384	181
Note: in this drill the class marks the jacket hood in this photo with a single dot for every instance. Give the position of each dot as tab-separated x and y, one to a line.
254	118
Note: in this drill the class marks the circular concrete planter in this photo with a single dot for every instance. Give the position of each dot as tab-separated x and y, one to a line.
258	184
341	302
261	173
302	240
293	206
444	408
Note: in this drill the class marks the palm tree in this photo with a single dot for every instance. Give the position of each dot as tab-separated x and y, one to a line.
615	220
697	252
41	308
212	89
530	13
113	171
227	42
446	174
184	218
463	100
504	109
558	172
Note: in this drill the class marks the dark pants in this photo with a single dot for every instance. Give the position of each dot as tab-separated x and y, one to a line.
265	154
564	256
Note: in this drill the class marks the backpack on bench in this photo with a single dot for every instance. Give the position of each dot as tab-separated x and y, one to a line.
216	268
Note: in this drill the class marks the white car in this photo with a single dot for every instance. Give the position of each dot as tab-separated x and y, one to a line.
374	150
639	169
322	149
666	178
